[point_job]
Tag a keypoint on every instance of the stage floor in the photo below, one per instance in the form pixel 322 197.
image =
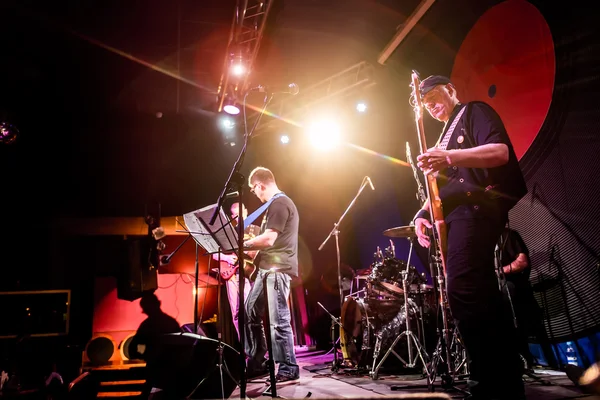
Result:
pixel 321 383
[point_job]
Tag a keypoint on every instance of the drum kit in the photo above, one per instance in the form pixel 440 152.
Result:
pixel 391 310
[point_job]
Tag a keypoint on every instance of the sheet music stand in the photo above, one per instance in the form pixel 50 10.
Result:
pixel 221 237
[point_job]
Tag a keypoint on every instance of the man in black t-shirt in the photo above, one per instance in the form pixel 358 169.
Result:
pixel 517 291
pixel 277 246
pixel 479 180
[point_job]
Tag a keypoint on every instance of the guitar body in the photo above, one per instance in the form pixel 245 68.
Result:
pixel 250 270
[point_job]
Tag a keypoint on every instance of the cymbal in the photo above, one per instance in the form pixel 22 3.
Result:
pixel 400 231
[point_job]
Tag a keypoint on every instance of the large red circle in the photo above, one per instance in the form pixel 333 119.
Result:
pixel 507 60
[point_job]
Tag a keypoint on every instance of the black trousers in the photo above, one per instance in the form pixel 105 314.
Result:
pixel 476 305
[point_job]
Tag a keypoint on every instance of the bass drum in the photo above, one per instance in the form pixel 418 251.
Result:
pixel 361 318
pixel 364 321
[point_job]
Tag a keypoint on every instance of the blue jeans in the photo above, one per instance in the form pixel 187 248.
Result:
pixel 282 335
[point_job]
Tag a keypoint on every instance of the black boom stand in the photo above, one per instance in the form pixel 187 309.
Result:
pixel 335 232
pixel 235 182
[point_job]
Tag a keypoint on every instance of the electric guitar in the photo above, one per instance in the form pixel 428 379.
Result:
pixel 250 270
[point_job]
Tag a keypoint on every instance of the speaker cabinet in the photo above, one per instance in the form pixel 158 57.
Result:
pixel 136 274
pixel 187 364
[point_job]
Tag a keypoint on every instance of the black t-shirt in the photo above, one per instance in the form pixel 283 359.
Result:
pixel 479 192
pixel 281 216
pixel 511 244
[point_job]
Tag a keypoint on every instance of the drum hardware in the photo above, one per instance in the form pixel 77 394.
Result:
pixel 355 294
pixel 449 350
pixel 386 272
pixel 411 339
pixel 334 321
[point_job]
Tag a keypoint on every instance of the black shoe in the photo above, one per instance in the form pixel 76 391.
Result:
pixel 280 378
pixel 256 370
pixel 252 373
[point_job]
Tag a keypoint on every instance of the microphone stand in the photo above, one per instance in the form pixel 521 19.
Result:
pixel 335 232
pixel 235 181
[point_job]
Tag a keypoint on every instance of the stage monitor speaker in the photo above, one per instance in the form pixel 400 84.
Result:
pixel 136 274
pixel 188 367
pixel 100 350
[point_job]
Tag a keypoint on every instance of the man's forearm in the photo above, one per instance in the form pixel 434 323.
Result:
pixel 260 242
pixel 485 156
pixel 518 265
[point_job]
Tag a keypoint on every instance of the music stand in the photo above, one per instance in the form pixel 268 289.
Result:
pixel 215 239
pixel 220 237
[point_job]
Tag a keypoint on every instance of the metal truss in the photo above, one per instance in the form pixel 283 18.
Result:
pixel 292 108
pixel 247 27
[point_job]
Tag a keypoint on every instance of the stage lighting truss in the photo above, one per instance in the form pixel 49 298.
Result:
pixel 247 27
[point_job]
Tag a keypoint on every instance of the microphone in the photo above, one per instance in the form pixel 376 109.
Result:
pixel 292 89
pixel 371 183
pixel 232 194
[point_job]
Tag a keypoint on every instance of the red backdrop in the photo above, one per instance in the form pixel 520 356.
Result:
pixel 507 60
pixel 175 291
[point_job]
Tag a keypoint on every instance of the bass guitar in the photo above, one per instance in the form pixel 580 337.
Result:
pixel 433 194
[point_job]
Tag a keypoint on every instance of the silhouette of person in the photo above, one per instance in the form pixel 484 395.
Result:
pixel 146 341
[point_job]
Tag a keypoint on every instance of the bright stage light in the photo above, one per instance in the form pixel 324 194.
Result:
pixel 227 123
pixel 238 69
pixel 361 107
pixel 324 135
pixel 285 139
pixel 231 109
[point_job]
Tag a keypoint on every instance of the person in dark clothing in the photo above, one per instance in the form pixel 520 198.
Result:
pixel 277 246
pixel 518 296
pixel 145 344
pixel 479 181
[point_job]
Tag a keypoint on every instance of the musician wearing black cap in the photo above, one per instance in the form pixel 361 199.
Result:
pixel 479 181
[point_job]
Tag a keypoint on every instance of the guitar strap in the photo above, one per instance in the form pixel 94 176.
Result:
pixel 252 217
pixel 443 142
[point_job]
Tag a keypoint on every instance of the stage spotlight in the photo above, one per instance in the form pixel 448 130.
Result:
pixel 361 107
pixel 227 123
pixel 230 107
pixel 324 134
pixel 285 139
pixel 238 69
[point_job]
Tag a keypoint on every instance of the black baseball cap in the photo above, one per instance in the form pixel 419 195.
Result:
pixel 432 81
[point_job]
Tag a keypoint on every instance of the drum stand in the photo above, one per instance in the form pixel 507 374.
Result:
pixel 411 340
pixel 447 342
pixel 335 365
pixel 449 349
